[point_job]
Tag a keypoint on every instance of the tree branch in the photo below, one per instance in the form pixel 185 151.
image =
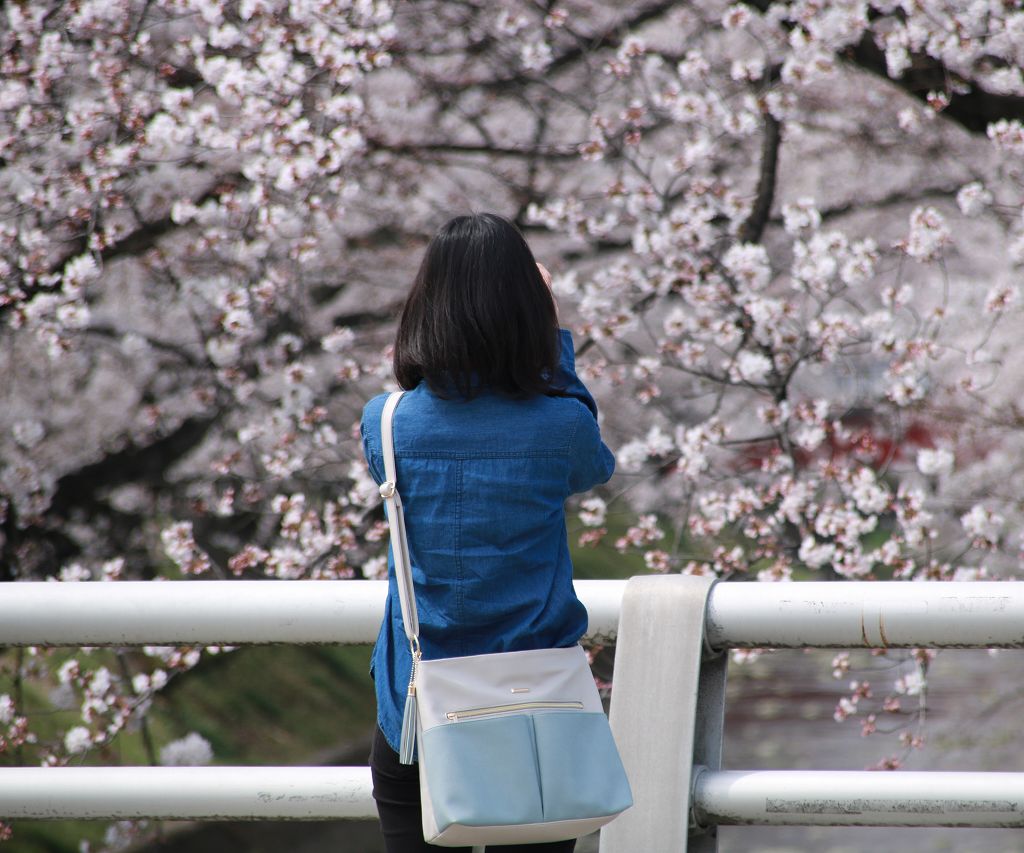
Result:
pixel 138 241
pixel 608 38
pixel 39 546
pixel 974 110
pixel 752 230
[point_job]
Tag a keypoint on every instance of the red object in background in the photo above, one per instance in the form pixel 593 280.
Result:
pixel 867 441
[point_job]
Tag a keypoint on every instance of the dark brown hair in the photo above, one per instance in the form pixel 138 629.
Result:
pixel 478 315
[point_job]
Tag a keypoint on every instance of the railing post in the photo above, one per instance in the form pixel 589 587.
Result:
pixel 707 739
pixel 654 709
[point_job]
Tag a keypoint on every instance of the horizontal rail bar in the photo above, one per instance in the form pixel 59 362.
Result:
pixel 843 614
pixel 852 614
pixel 194 793
pixel 858 798
pixel 728 797
pixel 132 613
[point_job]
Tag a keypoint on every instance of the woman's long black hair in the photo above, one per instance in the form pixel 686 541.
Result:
pixel 478 315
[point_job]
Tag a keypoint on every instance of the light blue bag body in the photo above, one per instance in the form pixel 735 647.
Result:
pixel 513 747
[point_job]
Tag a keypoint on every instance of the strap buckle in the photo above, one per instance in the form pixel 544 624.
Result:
pixel 387 489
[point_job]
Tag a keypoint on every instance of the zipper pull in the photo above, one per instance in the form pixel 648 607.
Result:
pixel 408 743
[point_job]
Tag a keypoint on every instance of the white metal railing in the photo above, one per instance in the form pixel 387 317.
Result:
pixel 858 798
pixel 982 614
pixel 191 793
pixel 792 615
pixel 132 613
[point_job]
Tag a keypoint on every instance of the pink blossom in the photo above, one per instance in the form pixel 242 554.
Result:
pixel 928 234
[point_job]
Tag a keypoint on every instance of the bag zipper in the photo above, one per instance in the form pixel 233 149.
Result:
pixel 469 713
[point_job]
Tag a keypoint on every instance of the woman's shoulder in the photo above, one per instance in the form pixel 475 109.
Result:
pixel 374 406
pixel 369 424
pixel 491 421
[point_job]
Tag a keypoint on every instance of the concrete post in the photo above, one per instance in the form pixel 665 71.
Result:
pixel 654 707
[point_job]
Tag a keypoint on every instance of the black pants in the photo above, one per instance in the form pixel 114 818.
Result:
pixel 396 788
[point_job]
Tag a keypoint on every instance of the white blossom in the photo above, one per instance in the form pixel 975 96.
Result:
pixel 74 572
pixel 565 284
pixel 181 547
pixel 933 463
pixel 68 671
pixel 78 272
pixel 1001 297
pixel 816 554
pixel 238 322
pixel 928 234
pixel 633 454
pixel 809 437
pixel 193 750
pixel 973 198
pixel 28 433
pixel 800 215
pixel 676 322
pixel 694 444
pixel 593 511
pixel 748 263
pixel 736 16
pixel 338 340
pixel 750 69
pixel 815 262
pixel 77 740
pixel 752 366
pixel 73 315
pixel 1007 134
pixel 376 568
pixel 1015 249
pixel 693 67
pixel 906 388
pixel 510 23
pixel 982 524
pixel 869 496
pixel 111 570
pixel 224 351
pixel 910 684
pixel 6 709
pixel 535 55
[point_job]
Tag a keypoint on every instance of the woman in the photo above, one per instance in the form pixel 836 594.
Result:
pixel 495 432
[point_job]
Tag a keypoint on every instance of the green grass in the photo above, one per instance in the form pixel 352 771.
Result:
pixel 257 705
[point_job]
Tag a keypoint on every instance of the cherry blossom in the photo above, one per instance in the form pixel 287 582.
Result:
pixel 935 462
pixel 191 750
pixel 792 278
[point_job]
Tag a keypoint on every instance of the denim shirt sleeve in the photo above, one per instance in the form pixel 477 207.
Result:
pixel 565 374
pixel 371 414
pixel 590 460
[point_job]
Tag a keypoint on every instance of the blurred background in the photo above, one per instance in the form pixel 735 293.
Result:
pixel 787 237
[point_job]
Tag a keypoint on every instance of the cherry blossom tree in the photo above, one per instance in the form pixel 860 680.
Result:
pixel 788 236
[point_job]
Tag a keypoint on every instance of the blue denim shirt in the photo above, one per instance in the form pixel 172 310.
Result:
pixel 483 485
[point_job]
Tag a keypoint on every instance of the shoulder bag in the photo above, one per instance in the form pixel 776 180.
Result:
pixel 513 747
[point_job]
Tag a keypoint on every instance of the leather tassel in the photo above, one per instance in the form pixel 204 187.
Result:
pixel 408 744
pixel 408 728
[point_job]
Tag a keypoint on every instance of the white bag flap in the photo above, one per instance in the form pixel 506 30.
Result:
pixel 453 685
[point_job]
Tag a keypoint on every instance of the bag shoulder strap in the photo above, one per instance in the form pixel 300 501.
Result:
pixel 396 522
